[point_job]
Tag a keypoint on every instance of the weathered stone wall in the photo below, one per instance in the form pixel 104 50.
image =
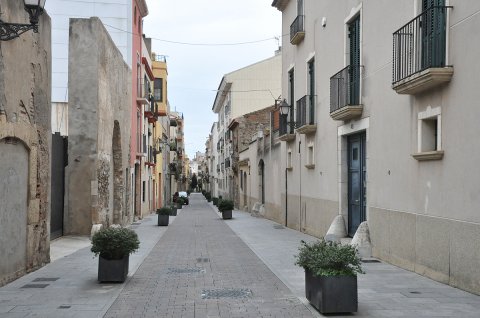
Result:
pixel 25 140
pixel 99 129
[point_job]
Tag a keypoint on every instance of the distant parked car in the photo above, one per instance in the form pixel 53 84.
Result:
pixel 182 194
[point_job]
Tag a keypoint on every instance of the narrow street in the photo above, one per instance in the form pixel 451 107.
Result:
pixel 203 266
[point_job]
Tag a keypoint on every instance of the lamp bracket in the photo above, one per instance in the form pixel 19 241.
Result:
pixel 9 31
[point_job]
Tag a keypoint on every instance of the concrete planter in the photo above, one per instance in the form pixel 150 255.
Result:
pixel 163 220
pixel 112 270
pixel 179 206
pixel 226 215
pixel 174 212
pixel 333 294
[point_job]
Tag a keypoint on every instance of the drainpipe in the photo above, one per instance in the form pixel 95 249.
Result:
pixel 286 196
pixel 300 185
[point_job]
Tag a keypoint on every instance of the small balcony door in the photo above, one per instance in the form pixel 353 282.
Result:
pixel 354 46
pixel 433 25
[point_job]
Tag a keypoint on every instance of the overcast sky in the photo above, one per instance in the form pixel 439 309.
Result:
pixel 194 72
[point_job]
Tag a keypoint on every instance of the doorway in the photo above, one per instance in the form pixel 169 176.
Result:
pixel 357 188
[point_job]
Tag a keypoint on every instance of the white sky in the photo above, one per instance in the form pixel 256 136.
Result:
pixel 194 72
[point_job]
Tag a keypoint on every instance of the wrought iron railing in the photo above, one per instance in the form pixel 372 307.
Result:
pixel 143 88
pixel 420 44
pixel 345 87
pixel 297 26
pixel 306 111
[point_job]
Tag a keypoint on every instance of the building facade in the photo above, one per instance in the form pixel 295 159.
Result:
pixel 386 144
pixel 242 91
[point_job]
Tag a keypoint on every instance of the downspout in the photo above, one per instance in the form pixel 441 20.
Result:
pixel 300 184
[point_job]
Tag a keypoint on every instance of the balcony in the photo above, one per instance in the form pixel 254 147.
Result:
pixel 345 93
pixel 419 53
pixel 151 112
pixel 306 115
pixel 143 92
pixel 285 131
pixel 297 30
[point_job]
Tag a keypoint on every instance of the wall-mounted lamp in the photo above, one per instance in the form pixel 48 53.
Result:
pixel 284 107
pixel 9 31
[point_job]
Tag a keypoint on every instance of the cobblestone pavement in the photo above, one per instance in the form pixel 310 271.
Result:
pixel 200 268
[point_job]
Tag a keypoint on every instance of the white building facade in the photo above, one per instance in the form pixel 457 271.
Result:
pixel 389 145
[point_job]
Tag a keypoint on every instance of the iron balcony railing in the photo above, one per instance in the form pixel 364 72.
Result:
pixel 143 89
pixel 297 26
pixel 345 87
pixel 306 111
pixel 420 44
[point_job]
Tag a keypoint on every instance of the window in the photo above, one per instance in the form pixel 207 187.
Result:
pixel 158 89
pixel 310 116
pixel 289 159
pixel 310 155
pixel 143 191
pixel 291 95
pixel 429 135
pixel 135 16
pixel 354 54
pixel 299 7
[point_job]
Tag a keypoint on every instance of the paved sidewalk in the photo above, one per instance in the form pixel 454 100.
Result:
pixel 200 268
pixel 384 291
pixel 68 286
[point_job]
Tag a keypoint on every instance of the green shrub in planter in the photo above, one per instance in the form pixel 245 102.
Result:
pixel 330 275
pixel 225 205
pixel 208 196
pixel 173 210
pixel 164 211
pixel 215 201
pixel 114 245
pixel 180 202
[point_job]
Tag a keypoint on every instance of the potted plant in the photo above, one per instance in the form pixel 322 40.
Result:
pixel 114 245
pixel 163 216
pixel 215 201
pixel 330 275
pixel 180 202
pixel 208 196
pixel 173 210
pixel 226 207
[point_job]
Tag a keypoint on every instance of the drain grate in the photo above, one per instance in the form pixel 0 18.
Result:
pixel 46 279
pixel 34 286
pixel 203 260
pixel 64 307
pixel 136 223
pixel 226 293
pixel 278 227
pixel 370 261
pixel 415 292
pixel 191 270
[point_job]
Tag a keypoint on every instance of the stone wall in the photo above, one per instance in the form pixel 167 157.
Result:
pixel 25 141
pixel 99 129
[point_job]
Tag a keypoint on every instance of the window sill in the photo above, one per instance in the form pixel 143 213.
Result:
pixel 310 166
pixel 428 155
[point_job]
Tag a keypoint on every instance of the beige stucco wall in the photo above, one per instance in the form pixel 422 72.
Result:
pixel 423 216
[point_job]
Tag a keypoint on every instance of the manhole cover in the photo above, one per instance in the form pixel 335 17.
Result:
pixel 278 227
pixel 186 270
pixel 370 261
pixel 226 293
pixel 45 279
pixel 203 260
pixel 35 286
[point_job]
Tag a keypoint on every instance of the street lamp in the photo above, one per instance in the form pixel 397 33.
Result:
pixel 9 31
pixel 284 107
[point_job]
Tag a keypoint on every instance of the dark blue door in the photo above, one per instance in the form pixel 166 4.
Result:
pixel 356 182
